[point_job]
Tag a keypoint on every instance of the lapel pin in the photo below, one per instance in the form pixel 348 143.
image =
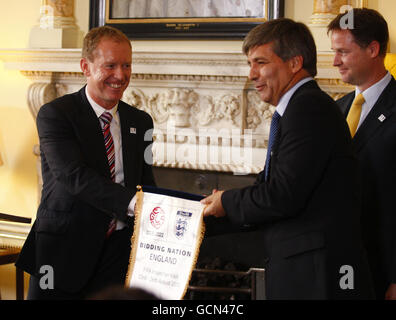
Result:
pixel 381 118
pixel 132 130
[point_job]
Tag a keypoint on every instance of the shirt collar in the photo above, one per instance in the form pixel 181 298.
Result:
pixel 99 110
pixel 371 94
pixel 284 101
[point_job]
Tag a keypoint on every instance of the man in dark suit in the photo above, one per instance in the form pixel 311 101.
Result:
pixel 301 200
pixel 359 56
pixel 93 154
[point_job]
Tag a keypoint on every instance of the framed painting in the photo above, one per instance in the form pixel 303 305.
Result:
pixel 184 19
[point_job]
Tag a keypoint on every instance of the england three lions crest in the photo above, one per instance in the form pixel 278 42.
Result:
pixel 181 225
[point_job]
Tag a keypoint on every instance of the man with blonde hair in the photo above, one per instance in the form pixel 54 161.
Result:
pixel 92 154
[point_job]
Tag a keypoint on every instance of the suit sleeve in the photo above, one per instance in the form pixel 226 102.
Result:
pixel 63 160
pixel 345 102
pixel 308 135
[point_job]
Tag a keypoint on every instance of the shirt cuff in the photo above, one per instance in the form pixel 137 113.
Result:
pixel 131 207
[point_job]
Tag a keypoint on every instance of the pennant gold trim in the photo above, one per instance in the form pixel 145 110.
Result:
pixel 135 238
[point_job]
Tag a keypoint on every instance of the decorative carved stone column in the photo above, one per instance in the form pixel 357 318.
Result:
pixel 38 94
pixel 325 10
pixel 57 28
pixel 57 14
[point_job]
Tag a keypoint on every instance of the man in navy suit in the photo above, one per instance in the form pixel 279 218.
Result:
pixel 359 56
pixel 309 222
pixel 93 157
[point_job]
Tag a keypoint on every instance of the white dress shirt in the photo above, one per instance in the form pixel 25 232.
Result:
pixel 115 129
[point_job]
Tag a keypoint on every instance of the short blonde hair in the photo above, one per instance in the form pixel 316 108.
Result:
pixel 95 35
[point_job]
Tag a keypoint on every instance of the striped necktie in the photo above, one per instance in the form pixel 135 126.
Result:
pixel 353 117
pixel 272 137
pixel 106 118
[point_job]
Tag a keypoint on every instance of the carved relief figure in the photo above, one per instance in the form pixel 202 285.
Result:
pixel 229 107
pixel 179 103
pixel 329 6
pixel 204 111
pixel 258 112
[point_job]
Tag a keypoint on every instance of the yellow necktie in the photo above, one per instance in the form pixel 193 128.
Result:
pixel 354 113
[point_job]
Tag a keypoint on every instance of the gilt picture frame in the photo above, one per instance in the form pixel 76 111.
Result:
pixel 184 19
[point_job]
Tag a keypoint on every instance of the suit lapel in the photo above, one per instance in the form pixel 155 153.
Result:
pixel 92 136
pixel 378 116
pixel 310 85
pixel 130 144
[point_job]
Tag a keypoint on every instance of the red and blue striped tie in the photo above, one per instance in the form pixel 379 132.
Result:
pixel 106 118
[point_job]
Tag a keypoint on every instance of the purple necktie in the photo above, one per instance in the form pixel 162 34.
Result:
pixel 106 118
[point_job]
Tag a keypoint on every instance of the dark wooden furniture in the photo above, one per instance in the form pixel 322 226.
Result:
pixel 10 255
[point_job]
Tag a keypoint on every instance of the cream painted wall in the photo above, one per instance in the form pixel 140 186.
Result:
pixel 18 191
pixel 17 130
pixel 388 10
pixel 18 135
pixel 18 180
pixel 301 10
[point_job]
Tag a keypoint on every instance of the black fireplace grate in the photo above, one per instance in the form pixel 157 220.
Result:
pixel 218 281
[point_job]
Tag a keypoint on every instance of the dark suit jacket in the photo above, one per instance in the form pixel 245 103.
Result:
pixel 78 197
pixel 308 216
pixel 375 146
